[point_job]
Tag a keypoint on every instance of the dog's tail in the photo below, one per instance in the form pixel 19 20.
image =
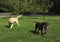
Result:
pixel 19 16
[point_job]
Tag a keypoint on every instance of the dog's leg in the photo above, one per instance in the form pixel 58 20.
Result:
pixel 38 30
pixel 35 28
pixel 41 32
pixel 11 26
pixel 17 23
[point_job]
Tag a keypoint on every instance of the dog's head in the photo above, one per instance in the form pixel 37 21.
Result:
pixel 46 23
pixel 46 26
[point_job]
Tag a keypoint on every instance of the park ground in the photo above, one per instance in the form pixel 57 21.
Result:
pixel 24 32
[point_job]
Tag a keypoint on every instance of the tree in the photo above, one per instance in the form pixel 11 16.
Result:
pixel 21 6
pixel 56 7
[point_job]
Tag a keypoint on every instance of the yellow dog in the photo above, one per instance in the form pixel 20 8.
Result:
pixel 13 20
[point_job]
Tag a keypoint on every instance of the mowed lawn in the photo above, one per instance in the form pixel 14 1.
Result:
pixel 25 33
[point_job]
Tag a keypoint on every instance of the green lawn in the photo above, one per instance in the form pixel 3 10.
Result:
pixel 24 32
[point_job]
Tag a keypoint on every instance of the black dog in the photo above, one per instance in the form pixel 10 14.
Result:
pixel 41 26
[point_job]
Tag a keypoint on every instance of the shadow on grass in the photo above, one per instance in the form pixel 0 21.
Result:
pixel 7 26
pixel 32 31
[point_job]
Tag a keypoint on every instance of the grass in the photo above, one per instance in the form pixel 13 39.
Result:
pixel 24 34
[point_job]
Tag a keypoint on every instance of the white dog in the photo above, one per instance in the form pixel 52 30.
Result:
pixel 13 20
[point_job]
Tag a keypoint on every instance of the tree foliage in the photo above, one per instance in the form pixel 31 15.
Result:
pixel 18 6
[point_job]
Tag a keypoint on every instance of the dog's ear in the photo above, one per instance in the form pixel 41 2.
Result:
pixel 47 23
